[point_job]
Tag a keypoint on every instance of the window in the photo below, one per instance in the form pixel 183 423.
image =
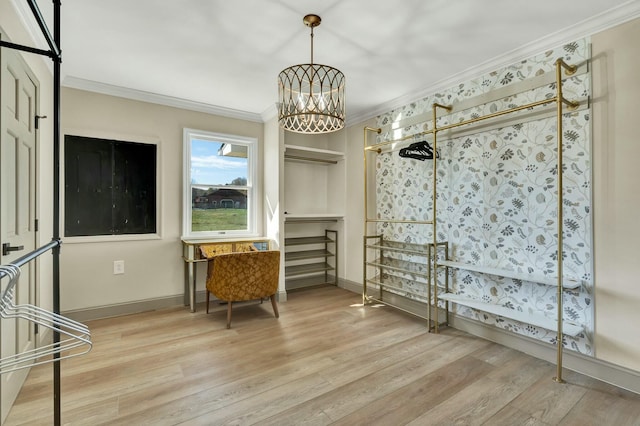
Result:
pixel 219 179
pixel 109 187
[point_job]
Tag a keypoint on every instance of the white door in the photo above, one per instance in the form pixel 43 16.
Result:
pixel 18 101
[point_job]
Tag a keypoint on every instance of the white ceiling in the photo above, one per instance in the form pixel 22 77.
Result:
pixel 228 53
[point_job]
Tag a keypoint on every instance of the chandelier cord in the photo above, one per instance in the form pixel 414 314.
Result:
pixel 311 45
pixel 312 71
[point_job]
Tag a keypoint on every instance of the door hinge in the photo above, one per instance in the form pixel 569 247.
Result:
pixel 35 225
pixel 36 329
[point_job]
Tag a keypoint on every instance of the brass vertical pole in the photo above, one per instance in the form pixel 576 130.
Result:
pixel 560 339
pixel 429 275
pixel 366 215
pixel 434 223
pixel 560 64
pixel 435 214
pixel 364 234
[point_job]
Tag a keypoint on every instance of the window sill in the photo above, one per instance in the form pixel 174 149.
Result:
pixel 111 238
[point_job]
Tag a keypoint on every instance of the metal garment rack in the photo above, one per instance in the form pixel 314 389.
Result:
pixel 77 335
pixel 560 101
pixel 54 53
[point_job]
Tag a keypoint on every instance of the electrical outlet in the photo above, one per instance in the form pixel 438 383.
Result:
pixel 118 267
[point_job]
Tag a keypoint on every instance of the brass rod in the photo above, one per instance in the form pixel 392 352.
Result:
pixel 570 69
pixel 497 114
pixel 429 275
pixel 366 215
pixel 364 245
pixel 380 270
pixel 378 150
pixel 446 282
pixel 469 121
pixel 436 129
pixel 435 219
pixel 364 271
pixel 570 104
pixel 559 103
pixel 385 143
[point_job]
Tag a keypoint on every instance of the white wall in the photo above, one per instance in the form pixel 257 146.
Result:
pixel 354 195
pixel 153 268
pixel 273 166
pixel 616 150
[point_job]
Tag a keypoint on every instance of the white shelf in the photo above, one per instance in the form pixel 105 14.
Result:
pixel 540 279
pixel 303 153
pixel 527 318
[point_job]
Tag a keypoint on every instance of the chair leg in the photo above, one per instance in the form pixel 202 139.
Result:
pixel 275 305
pixel 207 301
pixel 229 314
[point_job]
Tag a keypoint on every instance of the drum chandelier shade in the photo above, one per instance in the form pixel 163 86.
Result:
pixel 311 96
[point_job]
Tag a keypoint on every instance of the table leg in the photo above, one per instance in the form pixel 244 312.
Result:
pixel 190 285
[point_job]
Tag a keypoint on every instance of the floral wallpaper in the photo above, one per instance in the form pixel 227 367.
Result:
pixel 497 198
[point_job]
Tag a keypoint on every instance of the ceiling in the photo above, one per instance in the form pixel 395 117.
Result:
pixel 227 54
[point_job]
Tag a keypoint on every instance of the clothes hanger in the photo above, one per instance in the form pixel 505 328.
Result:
pixel 77 334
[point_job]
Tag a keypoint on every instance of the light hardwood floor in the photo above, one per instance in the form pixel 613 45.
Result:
pixel 326 360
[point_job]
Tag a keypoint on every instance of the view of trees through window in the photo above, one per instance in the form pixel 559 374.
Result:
pixel 219 186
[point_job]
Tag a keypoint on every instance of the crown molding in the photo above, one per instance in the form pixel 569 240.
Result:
pixel 269 113
pixel 154 98
pixel 608 19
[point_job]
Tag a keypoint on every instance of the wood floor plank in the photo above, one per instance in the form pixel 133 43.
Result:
pixel 365 386
pixel 510 416
pixel 326 360
pixel 599 408
pixel 549 401
pixel 409 402
pixel 483 398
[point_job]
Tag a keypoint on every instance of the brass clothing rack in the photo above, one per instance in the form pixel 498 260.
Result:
pixel 433 265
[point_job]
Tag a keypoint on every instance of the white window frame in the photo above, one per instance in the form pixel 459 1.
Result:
pixel 252 189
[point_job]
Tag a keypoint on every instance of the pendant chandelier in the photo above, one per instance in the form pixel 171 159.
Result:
pixel 311 96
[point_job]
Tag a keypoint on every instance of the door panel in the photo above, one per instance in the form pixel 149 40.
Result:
pixel 18 104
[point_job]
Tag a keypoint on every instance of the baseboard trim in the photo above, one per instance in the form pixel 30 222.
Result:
pixel 616 375
pixel 108 311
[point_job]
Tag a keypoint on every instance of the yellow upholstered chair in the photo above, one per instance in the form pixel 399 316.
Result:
pixel 235 277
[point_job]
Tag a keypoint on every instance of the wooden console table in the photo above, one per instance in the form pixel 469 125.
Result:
pixel 191 256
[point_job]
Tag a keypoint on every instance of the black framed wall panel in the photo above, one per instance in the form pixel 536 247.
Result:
pixel 110 187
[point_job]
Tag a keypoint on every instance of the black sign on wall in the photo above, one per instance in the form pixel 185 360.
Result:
pixel 110 187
